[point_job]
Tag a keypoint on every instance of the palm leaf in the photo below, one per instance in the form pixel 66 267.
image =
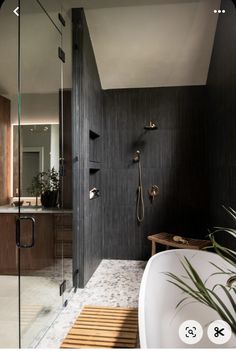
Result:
pixel 230 211
pixel 198 289
pixel 229 297
pixel 228 230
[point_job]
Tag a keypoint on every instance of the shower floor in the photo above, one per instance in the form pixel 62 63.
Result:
pixel 40 305
pixel 115 283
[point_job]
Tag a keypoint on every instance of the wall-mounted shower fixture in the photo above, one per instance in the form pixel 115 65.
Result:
pixel 136 157
pixel 93 193
pixel 140 201
pixel 151 126
pixel 153 192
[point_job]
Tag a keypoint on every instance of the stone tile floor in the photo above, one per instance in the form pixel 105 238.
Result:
pixel 114 283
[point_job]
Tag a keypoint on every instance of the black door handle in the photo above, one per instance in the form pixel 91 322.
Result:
pixel 18 233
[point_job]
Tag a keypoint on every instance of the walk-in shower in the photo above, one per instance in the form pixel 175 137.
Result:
pixel 137 159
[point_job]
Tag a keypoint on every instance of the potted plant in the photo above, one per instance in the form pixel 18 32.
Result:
pixel 35 188
pixel 46 185
pixel 195 288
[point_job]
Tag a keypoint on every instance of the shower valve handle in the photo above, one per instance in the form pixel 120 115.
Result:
pixel 153 192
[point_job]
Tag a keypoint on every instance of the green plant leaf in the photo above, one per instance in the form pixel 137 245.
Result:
pixel 198 290
pixel 225 313
pixel 233 303
pixel 228 230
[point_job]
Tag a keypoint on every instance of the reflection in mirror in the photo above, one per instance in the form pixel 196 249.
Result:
pixel 40 153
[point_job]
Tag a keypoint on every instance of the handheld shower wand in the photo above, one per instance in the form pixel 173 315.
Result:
pixel 140 201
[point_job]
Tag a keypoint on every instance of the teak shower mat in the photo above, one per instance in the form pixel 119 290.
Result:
pixel 103 327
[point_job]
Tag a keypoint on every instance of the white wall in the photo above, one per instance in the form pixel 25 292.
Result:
pixel 36 109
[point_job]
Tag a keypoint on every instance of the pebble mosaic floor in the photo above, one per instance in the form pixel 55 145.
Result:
pixel 115 283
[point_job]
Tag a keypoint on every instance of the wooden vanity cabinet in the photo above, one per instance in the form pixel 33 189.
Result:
pixel 8 251
pixel 63 235
pixel 53 232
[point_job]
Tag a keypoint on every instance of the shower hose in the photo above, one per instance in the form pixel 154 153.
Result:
pixel 140 201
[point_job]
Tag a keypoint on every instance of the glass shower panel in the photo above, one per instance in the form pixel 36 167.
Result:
pixel 66 154
pixel 9 316
pixel 41 261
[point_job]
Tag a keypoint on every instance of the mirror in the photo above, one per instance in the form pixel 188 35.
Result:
pixel 40 153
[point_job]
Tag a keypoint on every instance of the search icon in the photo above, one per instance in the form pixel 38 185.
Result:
pixel 190 332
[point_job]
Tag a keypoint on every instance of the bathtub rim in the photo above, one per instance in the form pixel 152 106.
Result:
pixel 142 291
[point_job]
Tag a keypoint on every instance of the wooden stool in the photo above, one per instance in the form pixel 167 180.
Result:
pixel 167 240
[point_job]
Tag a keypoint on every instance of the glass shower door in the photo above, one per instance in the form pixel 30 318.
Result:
pixel 9 308
pixel 37 131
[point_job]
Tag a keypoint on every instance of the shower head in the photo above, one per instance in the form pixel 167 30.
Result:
pixel 151 126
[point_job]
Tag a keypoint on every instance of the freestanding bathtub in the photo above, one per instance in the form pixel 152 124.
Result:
pixel 159 320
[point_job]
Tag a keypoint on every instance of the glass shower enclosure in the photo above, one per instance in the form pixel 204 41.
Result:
pixel 34 267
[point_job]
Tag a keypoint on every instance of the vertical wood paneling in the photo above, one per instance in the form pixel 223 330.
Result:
pixel 222 120
pixel 190 157
pixel 87 115
pixel 173 157
pixel 4 151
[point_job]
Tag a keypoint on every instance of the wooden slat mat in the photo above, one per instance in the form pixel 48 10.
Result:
pixel 103 327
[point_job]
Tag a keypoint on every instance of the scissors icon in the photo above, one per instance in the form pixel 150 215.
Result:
pixel 218 332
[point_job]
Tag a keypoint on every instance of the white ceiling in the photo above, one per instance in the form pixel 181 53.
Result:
pixel 40 66
pixel 137 43
pixel 164 44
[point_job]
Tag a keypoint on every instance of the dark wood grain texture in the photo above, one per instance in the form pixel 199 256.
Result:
pixel 8 250
pixel 36 258
pixel 172 157
pixel 191 157
pixel 87 115
pixel 4 151
pixel 221 119
pixel 53 238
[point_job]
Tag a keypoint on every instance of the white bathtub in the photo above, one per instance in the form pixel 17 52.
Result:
pixel 158 321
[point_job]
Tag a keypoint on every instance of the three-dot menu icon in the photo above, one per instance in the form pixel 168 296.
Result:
pixel 219 11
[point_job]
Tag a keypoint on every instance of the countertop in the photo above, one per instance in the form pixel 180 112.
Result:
pixel 32 209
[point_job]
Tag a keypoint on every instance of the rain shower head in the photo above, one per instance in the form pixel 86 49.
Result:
pixel 151 126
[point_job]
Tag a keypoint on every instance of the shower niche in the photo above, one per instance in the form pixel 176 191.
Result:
pixel 94 164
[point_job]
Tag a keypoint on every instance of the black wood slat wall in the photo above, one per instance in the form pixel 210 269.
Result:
pixel 221 119
pixel 87 115
pixel 191 157
pixel 173 157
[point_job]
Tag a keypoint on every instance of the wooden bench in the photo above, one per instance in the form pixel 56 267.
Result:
pixel 167 240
